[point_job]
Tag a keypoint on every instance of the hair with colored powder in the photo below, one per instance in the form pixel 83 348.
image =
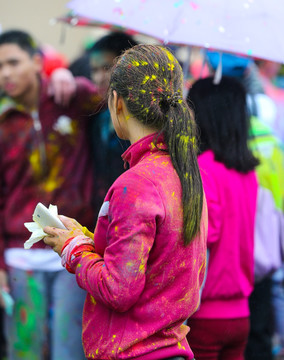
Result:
pixel 150 80
pixel 22 39
pixel 222 117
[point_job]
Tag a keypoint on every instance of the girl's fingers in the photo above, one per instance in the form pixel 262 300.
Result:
pixel 51 230
pixel 50 241
pixel 68 222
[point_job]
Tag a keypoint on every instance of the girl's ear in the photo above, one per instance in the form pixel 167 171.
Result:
pixel 117 102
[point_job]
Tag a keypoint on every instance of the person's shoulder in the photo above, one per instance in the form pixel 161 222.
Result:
pixel 6 106
pixel 206 158
pixel 211 168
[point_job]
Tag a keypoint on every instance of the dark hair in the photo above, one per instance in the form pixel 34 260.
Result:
pixel 150 80
pixel 222 117
pixel 115 42
pixel 20 38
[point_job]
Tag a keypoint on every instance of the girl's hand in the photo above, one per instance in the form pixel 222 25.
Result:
pixel 57 237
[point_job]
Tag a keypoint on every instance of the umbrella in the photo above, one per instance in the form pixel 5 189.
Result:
pixel 73 19
pixel 249 27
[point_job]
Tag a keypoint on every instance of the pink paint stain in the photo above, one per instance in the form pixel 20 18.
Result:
pixel 118 11
pixel 194 5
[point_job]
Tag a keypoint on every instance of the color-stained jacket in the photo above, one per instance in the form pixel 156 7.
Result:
pixel 231 199
pixel 142 282
pixel 44 157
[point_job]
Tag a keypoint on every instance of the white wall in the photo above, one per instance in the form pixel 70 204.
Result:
pixel 34 17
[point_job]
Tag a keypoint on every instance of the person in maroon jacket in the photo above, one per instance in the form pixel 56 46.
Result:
pixel 44 156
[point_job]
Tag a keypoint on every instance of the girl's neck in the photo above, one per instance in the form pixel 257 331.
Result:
pixel 137 130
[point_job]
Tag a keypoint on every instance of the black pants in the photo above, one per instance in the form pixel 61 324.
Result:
pixel 259 345
pixel 3 352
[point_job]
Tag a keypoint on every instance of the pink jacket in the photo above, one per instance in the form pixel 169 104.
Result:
pixel 231 198
pixel 142 282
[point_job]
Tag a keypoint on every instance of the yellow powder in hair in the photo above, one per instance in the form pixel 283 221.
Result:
pixel 184 139
pixel 146 78
pixel 170 55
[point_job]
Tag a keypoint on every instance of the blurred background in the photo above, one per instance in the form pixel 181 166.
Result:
pixel 37 18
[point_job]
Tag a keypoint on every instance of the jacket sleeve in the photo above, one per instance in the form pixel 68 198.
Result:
pixel 2 207
pixel 118 278
pixel 213 204
pixel 87 97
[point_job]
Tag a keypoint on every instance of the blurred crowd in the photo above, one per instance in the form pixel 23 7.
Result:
pixel 58 146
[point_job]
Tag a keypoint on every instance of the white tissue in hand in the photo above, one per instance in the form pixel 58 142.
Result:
pixel 36 230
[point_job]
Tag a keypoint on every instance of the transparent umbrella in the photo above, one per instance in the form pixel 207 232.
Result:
pixel 249 27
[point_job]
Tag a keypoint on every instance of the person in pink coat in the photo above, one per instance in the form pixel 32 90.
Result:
pixel 219 329
pixel 144 266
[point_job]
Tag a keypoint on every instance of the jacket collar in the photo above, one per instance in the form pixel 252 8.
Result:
pixel 7 104
pixel 149 144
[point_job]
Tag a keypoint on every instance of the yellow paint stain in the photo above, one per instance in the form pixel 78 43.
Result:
pixel 171 66
pixel 141 267
pixel 115 228
pixel 135 63
pixel 35 162
pixel 201 267
pixel 143 63
pixel 93 300
pixel 173 194
pixel 156 65
pixel 153 77
pixel 143 92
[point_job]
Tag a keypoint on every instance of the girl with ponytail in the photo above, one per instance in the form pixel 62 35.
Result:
pixel 145 264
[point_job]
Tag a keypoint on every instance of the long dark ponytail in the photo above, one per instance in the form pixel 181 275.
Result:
pixel 150 80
